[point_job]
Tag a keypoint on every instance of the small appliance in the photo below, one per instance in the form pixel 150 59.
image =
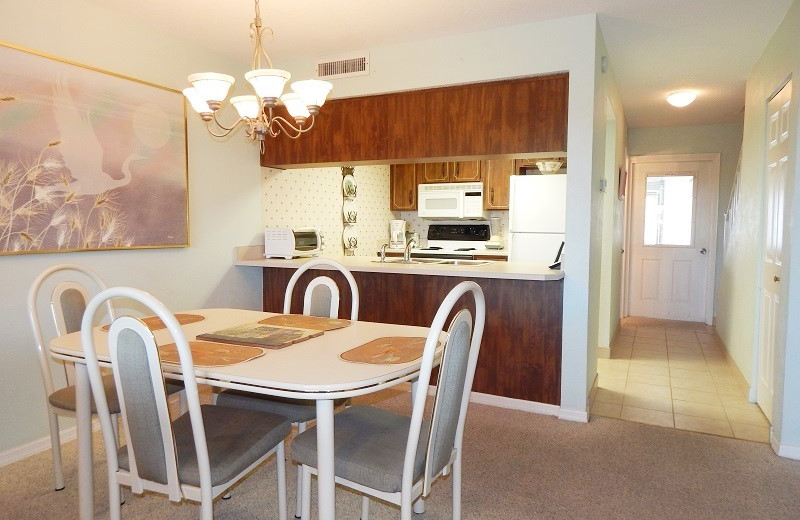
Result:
pixel 537 217
pixel 455 200
pixel 397 233
pixel 287 243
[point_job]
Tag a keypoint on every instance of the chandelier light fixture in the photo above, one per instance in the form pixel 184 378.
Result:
pixel 209 90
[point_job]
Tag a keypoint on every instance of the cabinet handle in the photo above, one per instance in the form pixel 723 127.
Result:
pixel 410 196
pixel 491 196
pixel 458 170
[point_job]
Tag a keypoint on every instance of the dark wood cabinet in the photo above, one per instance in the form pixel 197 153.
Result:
pixel 465 171
pixel 403 180
pixel 496 180
pixel 435 172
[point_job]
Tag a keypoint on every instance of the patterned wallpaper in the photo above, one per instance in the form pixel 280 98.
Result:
pixel 312 197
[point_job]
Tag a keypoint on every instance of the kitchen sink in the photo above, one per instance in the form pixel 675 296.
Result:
pixel 464 262
pixel 412 261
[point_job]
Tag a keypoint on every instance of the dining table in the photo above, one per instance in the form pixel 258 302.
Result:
pixel 312 369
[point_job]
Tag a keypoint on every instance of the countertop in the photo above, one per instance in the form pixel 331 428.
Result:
pixel 499 253
pixel 253 256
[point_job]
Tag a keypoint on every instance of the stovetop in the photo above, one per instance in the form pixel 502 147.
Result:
pixel 457 238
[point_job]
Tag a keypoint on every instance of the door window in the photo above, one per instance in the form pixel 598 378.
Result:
pixel 669 210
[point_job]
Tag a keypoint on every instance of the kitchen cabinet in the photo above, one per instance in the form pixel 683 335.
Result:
pixel 403 180
pixel 496 180
pixel 435 172
pixel 459 171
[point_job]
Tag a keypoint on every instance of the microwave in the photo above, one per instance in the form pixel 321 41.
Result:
pixel 287 243
pixel 451 200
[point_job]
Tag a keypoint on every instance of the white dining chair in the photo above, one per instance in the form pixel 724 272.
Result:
pixel 196 457
pixel 394 457
pixel 321 298
pixel 67 302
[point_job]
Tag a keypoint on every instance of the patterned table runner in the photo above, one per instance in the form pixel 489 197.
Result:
pixel 306 322
pixel 210 354
pixel 258 335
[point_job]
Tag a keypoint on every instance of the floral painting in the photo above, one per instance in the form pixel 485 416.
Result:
pixel 89 160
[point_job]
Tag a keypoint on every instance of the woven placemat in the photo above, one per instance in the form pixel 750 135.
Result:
pixel 306 322
pixel 258 335
pixel 155 323
pixel 386 351
pixel 211 354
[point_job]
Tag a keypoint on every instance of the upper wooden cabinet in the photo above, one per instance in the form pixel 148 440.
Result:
pixel 497 181
pixel 466 171
pixel 403 180
pixel 460 171
pixel 435 172
pixel 517 116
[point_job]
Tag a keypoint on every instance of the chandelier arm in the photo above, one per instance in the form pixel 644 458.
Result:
pixel 225 133
pixel 228 128
pixel 282 124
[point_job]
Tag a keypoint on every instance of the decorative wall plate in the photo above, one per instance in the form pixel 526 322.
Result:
pixel 350 237
pixel 350 211
pixel 349 186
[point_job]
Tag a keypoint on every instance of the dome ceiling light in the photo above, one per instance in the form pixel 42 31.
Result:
pixel 681 98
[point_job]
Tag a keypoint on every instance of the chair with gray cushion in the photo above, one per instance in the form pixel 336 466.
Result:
pixel 394 457
pixel 321 298
pixel 199 455
pixel 67 301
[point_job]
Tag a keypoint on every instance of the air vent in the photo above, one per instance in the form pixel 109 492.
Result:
pixel 343 66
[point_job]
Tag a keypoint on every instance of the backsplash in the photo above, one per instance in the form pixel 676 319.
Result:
pixel 312 197
pixel 414 223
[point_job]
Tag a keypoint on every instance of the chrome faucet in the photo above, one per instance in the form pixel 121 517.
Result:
pixel 383 252
pixel 407 252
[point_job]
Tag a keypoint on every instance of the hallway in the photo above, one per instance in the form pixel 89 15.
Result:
pixel 675 374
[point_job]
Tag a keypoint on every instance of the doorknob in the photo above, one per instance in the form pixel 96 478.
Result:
pixel 703 251
pixel 776 278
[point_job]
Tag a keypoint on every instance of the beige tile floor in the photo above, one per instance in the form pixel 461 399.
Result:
pixel 675 374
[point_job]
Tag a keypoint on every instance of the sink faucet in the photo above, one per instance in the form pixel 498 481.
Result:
pixel 383 252
pixel 407 252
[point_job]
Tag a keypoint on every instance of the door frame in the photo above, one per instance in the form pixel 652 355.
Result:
pixel 713 160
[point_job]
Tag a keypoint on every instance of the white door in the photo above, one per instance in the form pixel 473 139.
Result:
pixel 673 237
pixel 772 260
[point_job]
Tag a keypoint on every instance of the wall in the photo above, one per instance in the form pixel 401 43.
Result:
pixel 223 189
pixel 312 197
pixel 723 139
pixel 738 308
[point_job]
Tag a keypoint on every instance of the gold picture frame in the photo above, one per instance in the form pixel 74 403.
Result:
pixel 90 160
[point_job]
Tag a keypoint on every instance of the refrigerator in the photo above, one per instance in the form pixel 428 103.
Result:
pixel 537 215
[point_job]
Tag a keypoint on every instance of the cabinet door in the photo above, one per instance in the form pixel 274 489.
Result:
pixel 465 171
pixel 403 187
pixel 436 172
pixel 496 177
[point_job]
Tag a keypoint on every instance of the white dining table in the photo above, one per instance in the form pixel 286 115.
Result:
pixel 311 369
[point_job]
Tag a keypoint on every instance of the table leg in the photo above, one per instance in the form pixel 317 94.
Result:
pixel 83 416
pixel 325 471
pixel 419 505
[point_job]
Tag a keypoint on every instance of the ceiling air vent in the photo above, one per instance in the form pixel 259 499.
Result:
pixel 343 66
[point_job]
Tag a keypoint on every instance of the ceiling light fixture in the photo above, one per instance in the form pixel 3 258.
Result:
pixel 209 90
pixel 681 98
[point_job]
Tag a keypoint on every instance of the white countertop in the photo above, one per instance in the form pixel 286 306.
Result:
pixel 253 256
pixel 499 253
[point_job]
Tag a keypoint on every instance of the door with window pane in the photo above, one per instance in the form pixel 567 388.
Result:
pixel 670 241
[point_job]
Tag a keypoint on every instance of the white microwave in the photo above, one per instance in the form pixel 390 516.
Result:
pixel 287 243
pixel 451 200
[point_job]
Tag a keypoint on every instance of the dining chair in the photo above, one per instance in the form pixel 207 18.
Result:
pixel 321 298
pixel 394 457
pixel 67 302
pixel 196 457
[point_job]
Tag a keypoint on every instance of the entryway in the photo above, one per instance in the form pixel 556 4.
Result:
pixel 675 374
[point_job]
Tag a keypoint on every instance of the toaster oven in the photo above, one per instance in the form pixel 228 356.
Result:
pixel 287 243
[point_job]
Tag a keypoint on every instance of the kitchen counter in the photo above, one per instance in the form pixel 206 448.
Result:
pixel 252 256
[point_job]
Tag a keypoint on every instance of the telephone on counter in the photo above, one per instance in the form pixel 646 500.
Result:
pixel 557 263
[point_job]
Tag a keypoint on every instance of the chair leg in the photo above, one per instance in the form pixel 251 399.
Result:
pixel 298 506
pixel 457 488
pixel 114 499
pixel 280 459
pixel 419 506
pixel 55 445
pixel 306 490
pixel 364 507
pixel 405 506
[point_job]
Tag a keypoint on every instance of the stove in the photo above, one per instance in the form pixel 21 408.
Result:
pixel 459 241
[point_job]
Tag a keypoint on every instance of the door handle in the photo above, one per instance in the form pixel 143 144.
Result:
pixel 776 278
pixel 703 251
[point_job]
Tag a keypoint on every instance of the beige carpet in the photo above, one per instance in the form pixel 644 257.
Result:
pixel 516 465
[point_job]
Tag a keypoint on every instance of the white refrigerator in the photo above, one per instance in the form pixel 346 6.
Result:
pixel 537 215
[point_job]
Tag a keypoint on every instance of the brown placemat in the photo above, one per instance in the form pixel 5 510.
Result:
pixel 155 323
pixel 258 335
pixel 306 322
pixel 211 354
pixel 386 351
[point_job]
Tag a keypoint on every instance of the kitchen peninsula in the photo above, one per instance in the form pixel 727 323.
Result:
pixel 521 353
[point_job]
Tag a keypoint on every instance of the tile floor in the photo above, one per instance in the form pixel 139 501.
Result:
pixel 675 374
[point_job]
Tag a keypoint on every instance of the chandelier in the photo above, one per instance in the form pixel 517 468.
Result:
pixel 209 90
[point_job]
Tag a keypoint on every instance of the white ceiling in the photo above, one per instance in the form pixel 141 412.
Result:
pixel 655 46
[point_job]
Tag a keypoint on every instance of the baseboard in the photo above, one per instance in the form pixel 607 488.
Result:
pixel 751 390
pixel 604 352
pixel 573 415
pixel 515 404
pixel 787 451
pixel 39 445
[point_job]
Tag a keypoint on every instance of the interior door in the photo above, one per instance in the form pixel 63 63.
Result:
pixel 673 234
pixel 772 260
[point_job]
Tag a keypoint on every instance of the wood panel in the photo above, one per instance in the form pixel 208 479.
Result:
pixel 466 171
pixel 497 183
pixel 403 180
pixel 517 116
pixel 435 172
pixel 521 349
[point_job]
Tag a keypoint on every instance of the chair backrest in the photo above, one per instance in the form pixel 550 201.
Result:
pixel 456 372
pixel 67 302
pixel 142 395
pixel 321 297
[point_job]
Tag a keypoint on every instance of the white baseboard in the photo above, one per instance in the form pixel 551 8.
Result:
pixel 788 451
pixel 514 404
pixel 39 445
pixel 604 352
pixel 573 415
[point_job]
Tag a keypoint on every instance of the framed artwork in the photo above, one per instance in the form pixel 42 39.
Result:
pixel 623 179
pixel 89 160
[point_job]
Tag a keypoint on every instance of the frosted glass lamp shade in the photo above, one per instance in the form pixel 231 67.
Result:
pixel 211 86
pixel 312 91
pixel 198 104
pixel 247 106
pixel 268 83
pixel 295 105
pixel 681 98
